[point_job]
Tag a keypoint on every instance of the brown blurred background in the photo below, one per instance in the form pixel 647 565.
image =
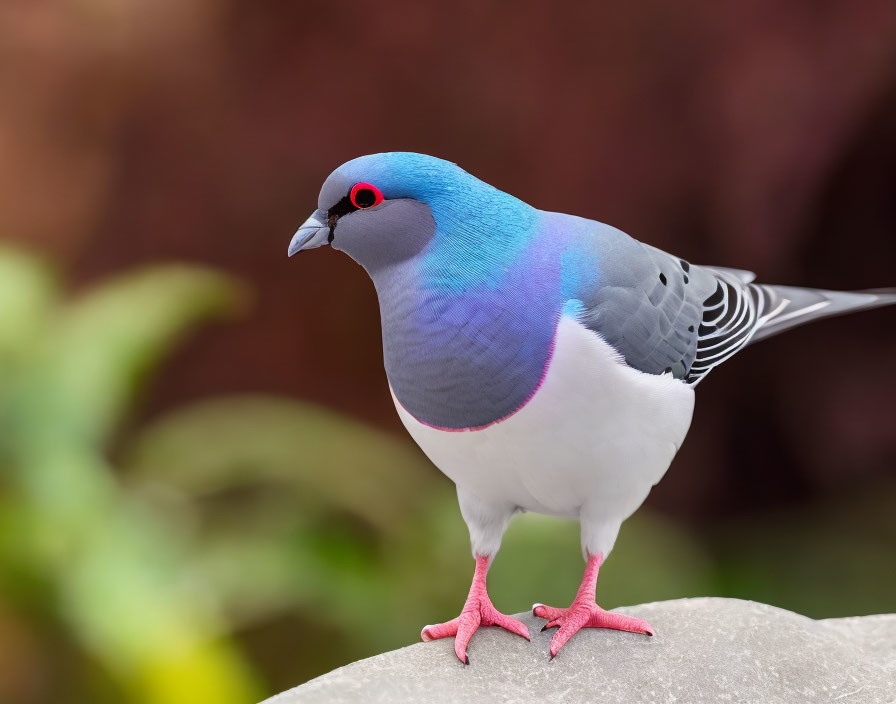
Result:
pixel 757 135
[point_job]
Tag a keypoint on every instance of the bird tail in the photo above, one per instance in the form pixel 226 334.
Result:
pixel 802 305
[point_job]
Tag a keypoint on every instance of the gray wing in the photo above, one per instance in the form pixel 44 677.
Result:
pixel 665 315
pixel 742 274
pixel 731 316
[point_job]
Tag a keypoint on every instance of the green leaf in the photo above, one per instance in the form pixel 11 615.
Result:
pixel 322 460
pixel 106 341
pixel 27 292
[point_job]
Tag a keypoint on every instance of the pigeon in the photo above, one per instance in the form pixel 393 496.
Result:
pixel 544 362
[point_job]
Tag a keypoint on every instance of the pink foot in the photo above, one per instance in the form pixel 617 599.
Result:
pixel 585 613
pixel 478 611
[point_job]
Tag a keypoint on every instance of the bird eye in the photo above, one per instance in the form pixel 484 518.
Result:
pixel 365 195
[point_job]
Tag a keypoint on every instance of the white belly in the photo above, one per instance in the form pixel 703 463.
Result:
pixel 594 438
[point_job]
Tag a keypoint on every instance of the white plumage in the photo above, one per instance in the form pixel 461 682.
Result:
pixel 590 443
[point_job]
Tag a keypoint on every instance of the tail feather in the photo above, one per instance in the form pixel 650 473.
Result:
pixel 804 305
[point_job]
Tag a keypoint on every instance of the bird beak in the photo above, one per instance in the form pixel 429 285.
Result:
pixel 314 232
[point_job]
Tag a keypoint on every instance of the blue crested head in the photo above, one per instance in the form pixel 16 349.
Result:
pixel 470 281
pixel 396 206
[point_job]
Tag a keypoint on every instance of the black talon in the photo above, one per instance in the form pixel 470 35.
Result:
pixel 544 628
pixel 467 660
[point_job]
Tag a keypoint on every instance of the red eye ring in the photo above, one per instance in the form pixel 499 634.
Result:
pixel 365 195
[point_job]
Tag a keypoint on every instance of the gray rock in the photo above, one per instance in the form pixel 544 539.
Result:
pixel 704 650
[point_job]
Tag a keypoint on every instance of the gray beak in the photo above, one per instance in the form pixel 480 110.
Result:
pixel 314 232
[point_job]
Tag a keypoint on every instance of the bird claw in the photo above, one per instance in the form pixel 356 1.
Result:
pixel 549 612
pixel 553 623
pixel 585 615
pixel 478 611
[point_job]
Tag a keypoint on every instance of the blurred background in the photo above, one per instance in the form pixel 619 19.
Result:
pixel 205 492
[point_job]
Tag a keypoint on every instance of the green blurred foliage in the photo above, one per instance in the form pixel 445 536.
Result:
pixel 76 546
pixel 244 544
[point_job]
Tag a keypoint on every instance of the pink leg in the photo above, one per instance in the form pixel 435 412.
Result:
pixel 477 611
pixel 585 613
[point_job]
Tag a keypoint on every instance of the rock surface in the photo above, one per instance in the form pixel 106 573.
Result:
pixel 712 650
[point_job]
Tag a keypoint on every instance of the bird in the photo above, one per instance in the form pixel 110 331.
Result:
pixel 544 362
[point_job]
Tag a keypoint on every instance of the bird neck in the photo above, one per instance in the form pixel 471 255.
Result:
pixel 465 356
pixel 479 232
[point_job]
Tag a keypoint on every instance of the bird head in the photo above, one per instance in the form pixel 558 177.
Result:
pixel 386 208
